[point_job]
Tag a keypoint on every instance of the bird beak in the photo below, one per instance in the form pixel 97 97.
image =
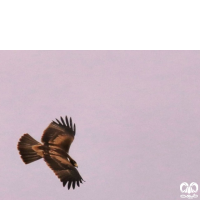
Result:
pixel 76 165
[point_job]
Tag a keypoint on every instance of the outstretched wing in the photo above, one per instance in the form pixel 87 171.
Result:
pixel 64 170
pixel 60 133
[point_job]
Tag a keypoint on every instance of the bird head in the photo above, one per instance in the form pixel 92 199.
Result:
pixel 73 162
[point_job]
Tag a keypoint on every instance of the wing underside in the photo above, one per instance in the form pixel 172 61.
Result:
pixel 60 133
pixel 65 171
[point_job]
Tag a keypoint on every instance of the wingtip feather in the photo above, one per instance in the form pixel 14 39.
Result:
pixel 73 185
pixel 71 123
pixel 66 119
pixel 74 128
pixel 62 121
pixel 69 185
pixel 58 122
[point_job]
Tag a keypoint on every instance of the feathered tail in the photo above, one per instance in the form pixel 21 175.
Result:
pixel 24 146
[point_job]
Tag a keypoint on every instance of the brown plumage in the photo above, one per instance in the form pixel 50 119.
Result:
pixel 56 139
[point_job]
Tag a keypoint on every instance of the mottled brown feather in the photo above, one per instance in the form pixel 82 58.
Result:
pixel 25 144
pixel 59 134
pixel 65 171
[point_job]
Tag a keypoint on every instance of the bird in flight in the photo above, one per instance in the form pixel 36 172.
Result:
pixel 56 139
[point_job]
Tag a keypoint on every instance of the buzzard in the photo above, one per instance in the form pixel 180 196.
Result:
pixel 56 139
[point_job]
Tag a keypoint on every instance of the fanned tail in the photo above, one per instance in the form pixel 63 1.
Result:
pixel 24 146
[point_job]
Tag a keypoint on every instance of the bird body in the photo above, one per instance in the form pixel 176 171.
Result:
pixel 54 149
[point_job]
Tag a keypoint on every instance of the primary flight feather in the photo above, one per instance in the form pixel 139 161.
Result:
pixel 56 139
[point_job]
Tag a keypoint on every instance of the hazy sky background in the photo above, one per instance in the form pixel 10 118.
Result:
pixel 137 115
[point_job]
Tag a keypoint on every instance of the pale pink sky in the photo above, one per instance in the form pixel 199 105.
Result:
pixel 137 115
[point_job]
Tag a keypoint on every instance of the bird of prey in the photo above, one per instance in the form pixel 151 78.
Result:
pixel 56 139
